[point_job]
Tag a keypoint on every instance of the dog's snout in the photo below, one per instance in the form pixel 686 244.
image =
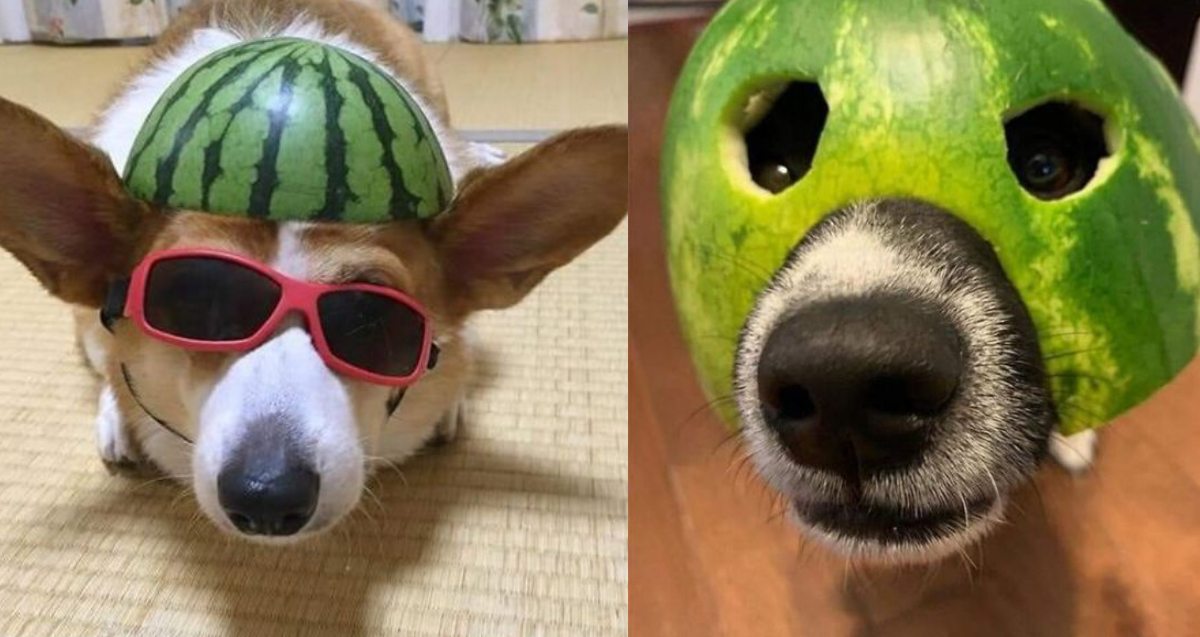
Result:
pixel 853 386
pixel 268 492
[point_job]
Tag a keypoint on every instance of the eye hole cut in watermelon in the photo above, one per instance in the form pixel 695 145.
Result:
pixel 1054 149
pixel 1042 124
pixel 783 130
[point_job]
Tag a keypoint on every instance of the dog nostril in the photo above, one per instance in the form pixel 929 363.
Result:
pixel 268 499
pixel 243 523
pixel 793 402
pixel 291 523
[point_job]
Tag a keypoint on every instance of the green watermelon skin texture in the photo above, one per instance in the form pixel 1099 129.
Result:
pixel 918 92
pixel 290 129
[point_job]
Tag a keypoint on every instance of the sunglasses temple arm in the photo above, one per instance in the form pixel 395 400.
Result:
pixel 434 352
pixel 114 303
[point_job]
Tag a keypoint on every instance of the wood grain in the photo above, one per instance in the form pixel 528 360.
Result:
pixel 1116 552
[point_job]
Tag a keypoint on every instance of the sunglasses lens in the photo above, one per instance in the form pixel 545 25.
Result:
pixel 208 299
pixel 372 332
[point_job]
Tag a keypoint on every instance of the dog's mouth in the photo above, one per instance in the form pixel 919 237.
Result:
pixel 892 526
pixel 891 382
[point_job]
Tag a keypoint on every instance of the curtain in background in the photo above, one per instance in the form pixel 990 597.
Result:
pixel 439 20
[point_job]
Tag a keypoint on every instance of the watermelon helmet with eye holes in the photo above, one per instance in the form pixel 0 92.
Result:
pixel 913 99
pixel 290 129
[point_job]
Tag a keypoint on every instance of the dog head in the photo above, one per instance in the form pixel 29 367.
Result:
pixel 940 231
pixel 275 422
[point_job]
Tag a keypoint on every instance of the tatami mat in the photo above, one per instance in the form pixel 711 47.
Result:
pixel 517 529
pixel 490 86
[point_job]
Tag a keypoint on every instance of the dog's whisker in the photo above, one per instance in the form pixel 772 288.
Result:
pixel 846 570
pixel 968 566
pixel 992 479
pixel 1093 418
pixel 737 464
pixel 764 491
pixel 760 274
pixel 718 337
pixel 180 497
pixel 374 498
pixel 781 504
pixel 1080 375
pixel 374 525
pixel 196 516
pixel 165 478
pixel 1041 502
pixel 735 436
pixel 377 530
pixel 1056 334
pixel 931 571
pixel 389 464
pixel 707 408
pixel 366 512
pixel 746 471
pixel 1077 352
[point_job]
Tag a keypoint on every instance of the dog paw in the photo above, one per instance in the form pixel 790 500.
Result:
pixel 112 435
pixel 1075 453
pixel 486 154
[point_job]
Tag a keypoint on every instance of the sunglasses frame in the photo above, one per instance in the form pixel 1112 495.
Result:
pixel 295 296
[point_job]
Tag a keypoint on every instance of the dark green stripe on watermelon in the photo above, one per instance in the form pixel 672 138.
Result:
pixel 290 129
pixel 268 179
pixel 337 190
pixel 173 94
pixel 401 199
pixel 212 151
pixel 168 178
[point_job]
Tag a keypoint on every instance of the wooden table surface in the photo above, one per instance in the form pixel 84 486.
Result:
pixel 1116 552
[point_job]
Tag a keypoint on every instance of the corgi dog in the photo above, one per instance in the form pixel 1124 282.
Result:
pixel 277 435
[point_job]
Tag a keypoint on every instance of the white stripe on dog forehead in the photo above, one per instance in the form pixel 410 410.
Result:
pixel 290 255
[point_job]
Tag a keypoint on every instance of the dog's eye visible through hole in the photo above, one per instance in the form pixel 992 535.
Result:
pixel 1054 149
pixel 786 126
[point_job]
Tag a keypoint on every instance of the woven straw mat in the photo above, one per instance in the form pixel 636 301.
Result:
pixel 518 528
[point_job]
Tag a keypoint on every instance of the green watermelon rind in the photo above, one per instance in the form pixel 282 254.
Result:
pixel 1111 275
pixel 348 143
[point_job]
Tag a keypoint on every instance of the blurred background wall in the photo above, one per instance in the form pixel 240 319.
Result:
pixel 440 20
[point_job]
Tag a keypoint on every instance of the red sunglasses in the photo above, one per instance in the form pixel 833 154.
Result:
pixel 214 301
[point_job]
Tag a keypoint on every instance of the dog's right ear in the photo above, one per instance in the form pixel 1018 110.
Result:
pixel 64 211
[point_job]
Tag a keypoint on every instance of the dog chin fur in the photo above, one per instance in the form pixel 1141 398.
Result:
pixel 904 553
pixel 997 435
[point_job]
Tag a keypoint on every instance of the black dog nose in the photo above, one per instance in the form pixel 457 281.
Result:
pixel 853 386
pixel 269 494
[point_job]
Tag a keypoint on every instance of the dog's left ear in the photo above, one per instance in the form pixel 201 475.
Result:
pixel 514 224
pixel 64 211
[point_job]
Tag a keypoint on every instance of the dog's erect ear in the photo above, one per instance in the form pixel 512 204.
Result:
pixel 515 223
pixel 64 212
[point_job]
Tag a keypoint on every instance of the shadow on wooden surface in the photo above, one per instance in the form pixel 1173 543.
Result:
pixel 1116 552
